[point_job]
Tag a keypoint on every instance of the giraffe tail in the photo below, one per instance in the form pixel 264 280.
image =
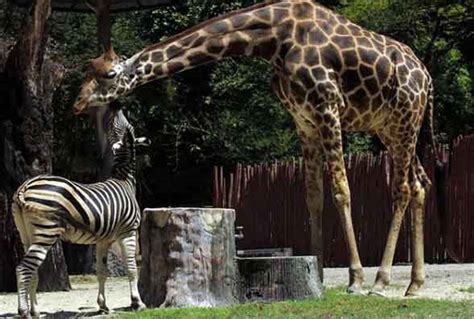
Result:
pixel 427 140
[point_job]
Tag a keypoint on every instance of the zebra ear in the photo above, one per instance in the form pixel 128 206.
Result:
pixel 142 141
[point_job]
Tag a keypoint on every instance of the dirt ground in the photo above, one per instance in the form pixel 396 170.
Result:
pixel 442 282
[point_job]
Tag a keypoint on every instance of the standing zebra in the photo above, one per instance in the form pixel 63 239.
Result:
pixel 49 208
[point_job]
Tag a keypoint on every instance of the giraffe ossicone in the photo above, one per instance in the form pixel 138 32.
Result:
pixel 332 76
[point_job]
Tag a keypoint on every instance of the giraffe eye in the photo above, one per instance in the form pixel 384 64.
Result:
pixel 110 74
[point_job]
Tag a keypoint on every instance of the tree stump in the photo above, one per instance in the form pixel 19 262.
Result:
pixel 266 279
pixel 188 257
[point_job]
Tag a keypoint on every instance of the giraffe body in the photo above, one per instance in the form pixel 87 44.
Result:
pixel 332 76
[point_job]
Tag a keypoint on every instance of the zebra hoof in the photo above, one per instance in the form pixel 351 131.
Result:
pixel 25 314
pixel 138 306
pixel 104 310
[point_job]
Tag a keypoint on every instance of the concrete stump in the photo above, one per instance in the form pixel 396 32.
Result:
pixel 267 279
pixel 188 257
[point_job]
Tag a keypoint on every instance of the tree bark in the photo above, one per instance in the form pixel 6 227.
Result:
pixel 188 257
pixel 26 140
pixel 265 279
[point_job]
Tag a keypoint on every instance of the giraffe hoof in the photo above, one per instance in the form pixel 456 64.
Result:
pixel 378 293
pixel 413 290
pixel 355 289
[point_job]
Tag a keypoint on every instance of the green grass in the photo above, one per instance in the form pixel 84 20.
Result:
pixel 469 289
pixel 336 304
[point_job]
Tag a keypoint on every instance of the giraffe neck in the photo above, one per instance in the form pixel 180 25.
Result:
pixel 248 32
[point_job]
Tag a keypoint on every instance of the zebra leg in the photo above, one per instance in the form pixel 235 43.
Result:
pixel 128 246
pixel 32 292
pixel 102 272
pixel 26 274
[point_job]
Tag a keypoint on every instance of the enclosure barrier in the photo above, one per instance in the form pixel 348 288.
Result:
pixel 269 200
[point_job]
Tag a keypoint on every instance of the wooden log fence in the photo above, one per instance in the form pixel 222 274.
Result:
pixel 269 199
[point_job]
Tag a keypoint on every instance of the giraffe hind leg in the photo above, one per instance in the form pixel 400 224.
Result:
pixel 420 185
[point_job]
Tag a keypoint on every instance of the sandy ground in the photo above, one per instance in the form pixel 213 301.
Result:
pixel 442 282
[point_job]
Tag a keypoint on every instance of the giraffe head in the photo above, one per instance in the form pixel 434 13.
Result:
pixel 105 81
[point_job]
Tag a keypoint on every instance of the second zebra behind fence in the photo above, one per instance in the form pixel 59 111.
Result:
pixel 49 208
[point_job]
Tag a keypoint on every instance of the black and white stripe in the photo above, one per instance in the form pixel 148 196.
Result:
pixel 48 208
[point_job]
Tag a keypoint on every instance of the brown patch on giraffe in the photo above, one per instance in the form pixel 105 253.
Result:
pixel 330 57
pixel 326 132
pixel 341 19
pixel 158 70
pixel 144 57
pixel 360 100
pixel 218 27
pixel 327 28
pixel 369 56
pixel 239 21
pixel 263 14
pixel 172 51
pixel 301 32
pixel 294 56
pixel 199 57
pixel 215 46
pixel 148 68
pixel 376 102
pixel 350 80
pixel 187 41
pixel 379 47
pixel 365 71
pixel 157 57
pixel 302 11
pixel 350 58
pixel 319 73
pixel 237 45
pixel 343 42
pixel 311 56
pixel 342 30
pixel 305 77
pixel 175 67
pixel 364 42
pixel 285 30
pixel 299 92
pixel 280 14
pixel 267 49
pixel 372 85
pixel 315 99
pixel 355 30
pixel 317 37
pixel 321 14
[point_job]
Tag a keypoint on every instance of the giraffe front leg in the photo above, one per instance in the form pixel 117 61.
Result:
pixel 102 273
pixel 128 246
pixel 419 188
pixel 313 161
pixel 331 137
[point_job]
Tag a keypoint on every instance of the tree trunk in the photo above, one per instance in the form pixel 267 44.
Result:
pixel 265 279
pixel 188 257
pixel 26 139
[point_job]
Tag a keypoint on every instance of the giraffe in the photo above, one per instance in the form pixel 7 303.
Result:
pixel 332 76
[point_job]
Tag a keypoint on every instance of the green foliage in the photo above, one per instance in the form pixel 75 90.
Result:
pixel 336 304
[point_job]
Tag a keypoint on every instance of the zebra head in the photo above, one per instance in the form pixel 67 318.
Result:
pixel 122 140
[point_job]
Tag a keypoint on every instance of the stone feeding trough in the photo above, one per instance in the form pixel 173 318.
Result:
pixel 189 259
